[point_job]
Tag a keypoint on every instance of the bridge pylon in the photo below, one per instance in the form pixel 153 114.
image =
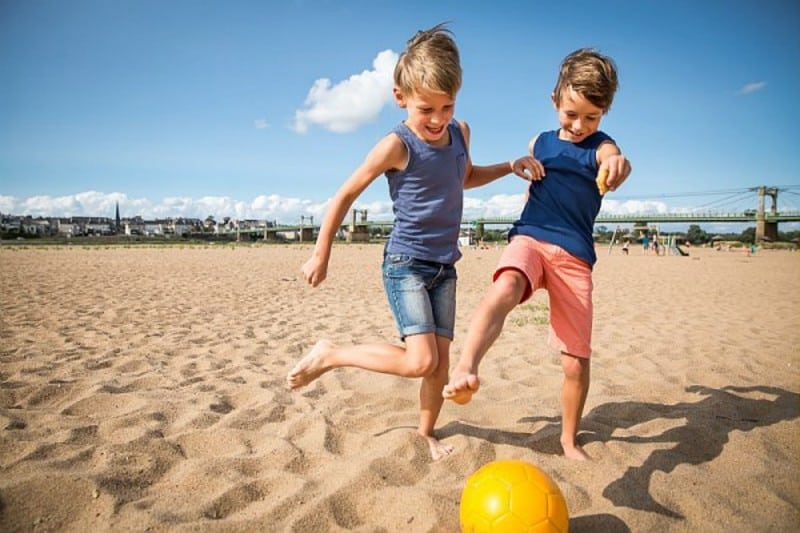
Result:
pixel 766 230
pixel 358 231
pixel 306 234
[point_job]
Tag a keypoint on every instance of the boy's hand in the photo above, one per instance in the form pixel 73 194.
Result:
pixel 528 168
pixel 315 271
pixel 616 169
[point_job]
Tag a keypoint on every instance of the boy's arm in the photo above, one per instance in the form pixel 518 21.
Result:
pixel 388 153
pixel 609 157
pixel 476 176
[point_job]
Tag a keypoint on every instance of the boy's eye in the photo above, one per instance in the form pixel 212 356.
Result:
pixel 429 110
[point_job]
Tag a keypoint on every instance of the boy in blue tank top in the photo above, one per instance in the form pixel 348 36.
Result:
pixel 427 164
pixel 551 245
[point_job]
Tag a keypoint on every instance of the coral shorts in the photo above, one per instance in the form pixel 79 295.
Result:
pixel 568 282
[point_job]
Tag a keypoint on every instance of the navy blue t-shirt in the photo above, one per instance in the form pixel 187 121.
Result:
pixel 562 207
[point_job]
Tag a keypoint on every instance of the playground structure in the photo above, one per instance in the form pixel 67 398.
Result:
pixel 666 244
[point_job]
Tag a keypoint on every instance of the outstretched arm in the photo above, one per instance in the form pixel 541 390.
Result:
pixel 390 152
pixel 477 176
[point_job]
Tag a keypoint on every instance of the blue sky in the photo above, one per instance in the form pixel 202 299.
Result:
pixel 262 109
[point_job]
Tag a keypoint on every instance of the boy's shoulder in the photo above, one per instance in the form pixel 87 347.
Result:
pixel 598 138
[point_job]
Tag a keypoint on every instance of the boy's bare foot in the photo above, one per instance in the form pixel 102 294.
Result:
pixel 311 366
pixel 438 448
pixel 461 388
pixel 575 452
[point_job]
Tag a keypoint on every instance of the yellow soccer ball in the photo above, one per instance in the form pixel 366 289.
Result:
pixel 512 496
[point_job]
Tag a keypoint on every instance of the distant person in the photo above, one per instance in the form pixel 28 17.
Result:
pixel 645 244
pixel 625 247
pixel 427 164
pixel 551 245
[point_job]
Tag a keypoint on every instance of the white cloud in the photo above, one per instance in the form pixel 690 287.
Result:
pixel 378 210
pixel 260 124
pixel 651 207
pixel 97 204
pixel 8 204
pixel 88 203
pixel 270 207
pixel 345 106
pixel 281 209
pixel 752 87
pixel 500 205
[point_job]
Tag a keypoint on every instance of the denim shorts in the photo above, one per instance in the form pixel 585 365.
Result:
pixel 422 295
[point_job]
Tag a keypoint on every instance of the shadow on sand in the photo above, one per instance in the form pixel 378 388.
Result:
pixel 708 423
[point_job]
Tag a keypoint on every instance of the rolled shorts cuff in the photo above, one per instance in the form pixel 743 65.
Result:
pixel 422 330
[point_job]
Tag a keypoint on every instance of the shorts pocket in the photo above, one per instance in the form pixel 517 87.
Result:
pixel 397 260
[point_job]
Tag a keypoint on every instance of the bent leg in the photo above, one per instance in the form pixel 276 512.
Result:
pixel 573 398
pixel 417 359
pixel 484 328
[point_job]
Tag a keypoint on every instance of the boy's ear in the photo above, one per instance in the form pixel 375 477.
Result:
pixel 399 98
pixel 553 99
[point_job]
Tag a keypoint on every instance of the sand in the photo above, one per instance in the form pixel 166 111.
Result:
pixel 143 389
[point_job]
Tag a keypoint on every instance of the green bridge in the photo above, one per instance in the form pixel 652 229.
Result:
pixel 766 220
pixel 766 223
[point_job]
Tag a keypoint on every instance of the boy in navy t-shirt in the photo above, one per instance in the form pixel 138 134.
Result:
pixel 551 245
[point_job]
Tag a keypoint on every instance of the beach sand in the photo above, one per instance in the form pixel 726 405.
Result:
pixel 143 389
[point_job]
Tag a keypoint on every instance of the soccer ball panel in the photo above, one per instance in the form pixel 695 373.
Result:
pixel 513 496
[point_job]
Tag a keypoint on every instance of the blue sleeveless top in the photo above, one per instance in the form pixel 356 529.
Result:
pixel 427 197
pixel 562 207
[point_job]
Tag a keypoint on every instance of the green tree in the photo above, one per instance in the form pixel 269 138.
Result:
pixel 748 235
pixel 696 235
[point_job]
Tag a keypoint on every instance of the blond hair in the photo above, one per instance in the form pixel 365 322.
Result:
pixel 590 74
pixel 430 62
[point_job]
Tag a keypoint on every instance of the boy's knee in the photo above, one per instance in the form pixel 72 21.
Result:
pixel 423 367
pixel 439 375
pixel 422 356
pixel 510 286
pixel 574 367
